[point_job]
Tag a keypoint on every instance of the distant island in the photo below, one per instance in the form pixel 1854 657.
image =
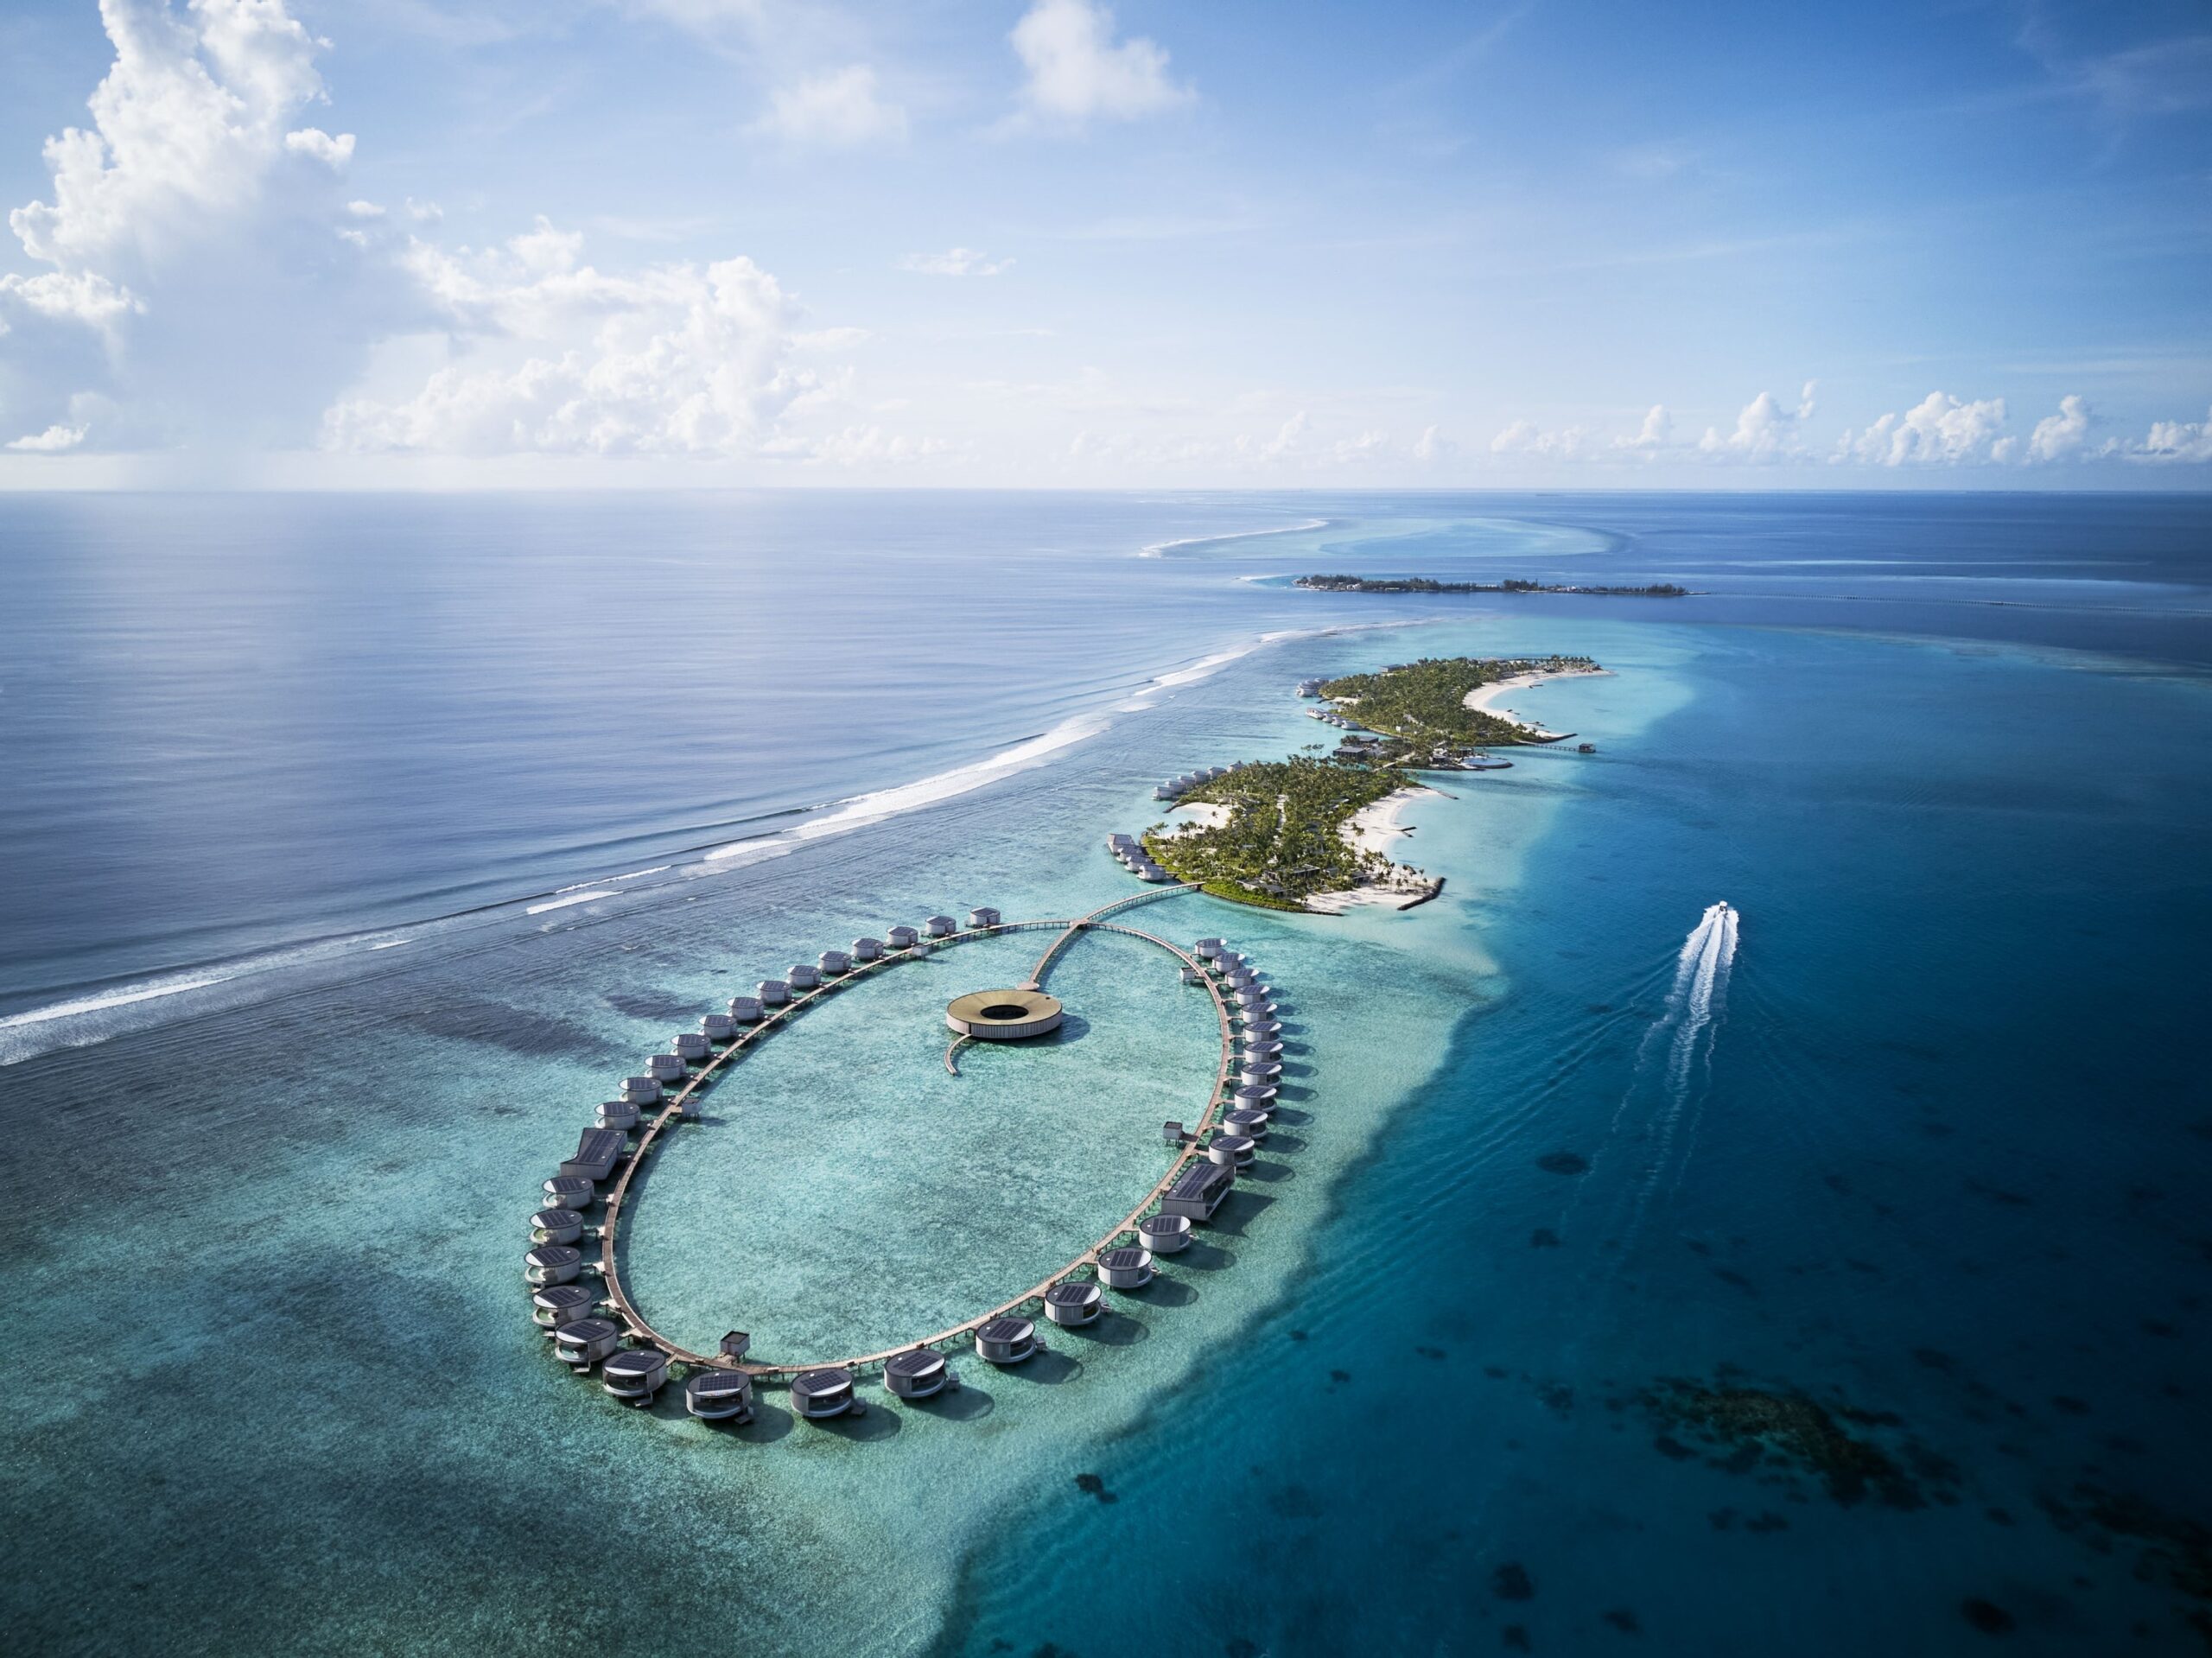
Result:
pixel 1311 833
pixel 1422 584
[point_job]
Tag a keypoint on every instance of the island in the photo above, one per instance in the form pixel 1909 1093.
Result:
pixel 1312 832
pixel 1423 584
pixel 1436 714
pixel 1296 833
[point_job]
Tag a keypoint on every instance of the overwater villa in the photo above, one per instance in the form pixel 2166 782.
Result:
pixel 1007 1340
pixel 719 1395
pixel 634 1375
pixel 586 1341
pixel 920 1374
pixel 820 1394
pixel 1073 1301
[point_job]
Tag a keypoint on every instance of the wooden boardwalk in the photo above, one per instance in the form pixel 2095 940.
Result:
pixel 673 1112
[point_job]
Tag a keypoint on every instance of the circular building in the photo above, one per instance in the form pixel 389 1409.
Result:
pixel 1004 1015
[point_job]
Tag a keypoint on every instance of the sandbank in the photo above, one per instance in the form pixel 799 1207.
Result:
pixel 1481 698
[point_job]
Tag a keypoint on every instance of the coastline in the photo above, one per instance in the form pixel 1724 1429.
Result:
pixel 1373 828
pixel 1481 698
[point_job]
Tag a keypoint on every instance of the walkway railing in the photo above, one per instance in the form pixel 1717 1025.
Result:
pixel 610 1267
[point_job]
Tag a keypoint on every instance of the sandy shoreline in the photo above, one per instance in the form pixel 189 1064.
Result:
pixel 1203 813
pixel 1482 697
pixel 1373 829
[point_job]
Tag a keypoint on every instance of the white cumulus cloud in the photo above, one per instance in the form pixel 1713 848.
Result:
pixel 839 110
pixel 333 153
pixel 1076 70
pixel 1655 433
pixel 2174 440
pixel 1765 430
pixel 84 297
pixel 1526 437
pixel 53 441
pixel 2064 433
pixel 186 126
pixel 1939 430
pixel 195 289
pixel 558 357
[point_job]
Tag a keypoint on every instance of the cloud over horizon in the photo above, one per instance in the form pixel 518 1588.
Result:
pixel 685 235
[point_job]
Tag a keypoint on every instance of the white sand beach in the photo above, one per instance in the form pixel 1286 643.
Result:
pixel 1203 813
pixel 1374 830
pixel 1376 827
pixel 1482 698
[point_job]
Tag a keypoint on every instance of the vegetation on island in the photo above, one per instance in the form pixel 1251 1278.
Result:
pixel 1283 838
pixel 1283 841
pixel 1425 584
pixel 1420 708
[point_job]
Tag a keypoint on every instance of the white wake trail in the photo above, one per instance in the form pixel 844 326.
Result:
pixel 1687 1026
pixel 1706 960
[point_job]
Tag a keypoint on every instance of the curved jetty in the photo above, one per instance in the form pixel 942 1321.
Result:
pixel 634 1358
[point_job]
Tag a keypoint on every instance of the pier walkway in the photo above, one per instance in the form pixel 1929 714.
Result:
pixel 717 1065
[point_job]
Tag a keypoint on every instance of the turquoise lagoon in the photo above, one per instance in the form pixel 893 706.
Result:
pixel 1923 1148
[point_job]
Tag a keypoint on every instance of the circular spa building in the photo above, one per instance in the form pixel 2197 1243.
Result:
pixel 1004 1015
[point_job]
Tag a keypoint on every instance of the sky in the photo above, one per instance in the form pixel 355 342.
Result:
pixel 449 243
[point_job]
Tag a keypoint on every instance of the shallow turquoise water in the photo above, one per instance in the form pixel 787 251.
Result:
pixel 846 1193
pixel 1932 1150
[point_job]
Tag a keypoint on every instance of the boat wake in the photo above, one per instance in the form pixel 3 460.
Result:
pixel 1700 995
pixel 1674 1062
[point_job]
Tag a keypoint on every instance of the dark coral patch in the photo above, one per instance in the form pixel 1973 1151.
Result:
pixel 1511 1582
pixel 1795 1430
pixel 1987 1615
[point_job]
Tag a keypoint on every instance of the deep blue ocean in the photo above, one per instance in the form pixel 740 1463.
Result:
pixel 1825 1275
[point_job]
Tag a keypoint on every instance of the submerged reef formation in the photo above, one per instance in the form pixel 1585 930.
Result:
pixel 2172 1551
pixel 1424 584
pixel 1786 1431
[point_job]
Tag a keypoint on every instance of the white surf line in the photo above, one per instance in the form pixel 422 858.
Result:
pixel 859 811
pixel 572 898
pixel 1160 549
pixel 146 991
pixel 26 1035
